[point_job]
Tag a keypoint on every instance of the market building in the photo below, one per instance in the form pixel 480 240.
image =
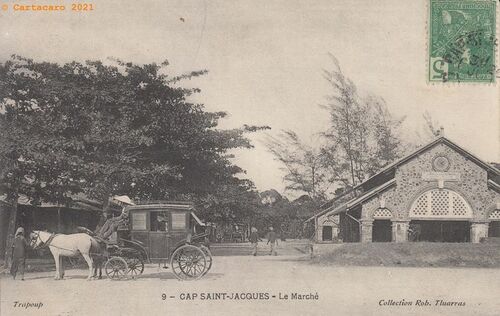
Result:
pixel 65 219
pixel 439 193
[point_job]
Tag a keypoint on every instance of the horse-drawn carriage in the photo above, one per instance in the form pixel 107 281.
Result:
pixel 167 233
pixel 156 233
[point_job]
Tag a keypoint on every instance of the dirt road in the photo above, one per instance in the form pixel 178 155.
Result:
pixel 246 285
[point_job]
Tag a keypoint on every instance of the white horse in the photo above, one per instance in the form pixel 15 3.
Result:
pixel 61 245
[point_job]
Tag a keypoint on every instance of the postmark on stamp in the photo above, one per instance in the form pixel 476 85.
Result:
pixel 462 40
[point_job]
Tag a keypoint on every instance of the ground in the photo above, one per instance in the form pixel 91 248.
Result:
pixel 353 290
pixel 413 254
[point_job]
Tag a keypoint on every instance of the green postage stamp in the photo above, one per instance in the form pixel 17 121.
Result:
pixel 462 41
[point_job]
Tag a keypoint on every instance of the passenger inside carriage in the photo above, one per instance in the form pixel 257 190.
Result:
pixel 159 221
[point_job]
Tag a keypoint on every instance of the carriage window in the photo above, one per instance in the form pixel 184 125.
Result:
pixel 179 221
pixel 139 221
pixel 158 221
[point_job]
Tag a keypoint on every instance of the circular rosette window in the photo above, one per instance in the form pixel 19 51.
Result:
pixel 440 163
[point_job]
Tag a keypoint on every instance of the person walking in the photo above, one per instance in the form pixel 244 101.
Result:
pixel 18 254
pixel 254 239
pixel 272 239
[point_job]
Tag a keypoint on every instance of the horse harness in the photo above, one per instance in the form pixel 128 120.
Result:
pixel 42 243
pixel 47 243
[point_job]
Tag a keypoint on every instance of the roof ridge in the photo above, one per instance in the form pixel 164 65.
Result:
pixel 425 147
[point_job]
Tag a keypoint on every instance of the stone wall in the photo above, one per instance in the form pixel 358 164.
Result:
pixel 326 220
pixel 472 185
pixel 465 177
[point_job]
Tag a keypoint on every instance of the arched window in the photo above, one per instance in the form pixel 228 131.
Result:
pixel 382 213
pixel 495 215
pixel 440 203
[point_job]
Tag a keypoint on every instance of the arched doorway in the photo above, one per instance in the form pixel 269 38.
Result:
pixel 327 233
pixel 382 225
pixel 441 215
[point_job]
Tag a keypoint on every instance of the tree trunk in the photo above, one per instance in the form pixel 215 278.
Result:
pixel 313 188
pixel 347 106
pixel 105 205
pixel 59 219
pixel 11 230
pixel 349 149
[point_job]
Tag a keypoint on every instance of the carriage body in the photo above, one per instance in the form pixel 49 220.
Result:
pixel 168 233
pixel 159 227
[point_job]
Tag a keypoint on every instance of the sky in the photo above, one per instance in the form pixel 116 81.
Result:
pixel 265 61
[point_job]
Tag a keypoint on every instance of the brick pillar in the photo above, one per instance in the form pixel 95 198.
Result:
pixel 478 230
pixel 366 230
pixel 317 230
pixel 400 231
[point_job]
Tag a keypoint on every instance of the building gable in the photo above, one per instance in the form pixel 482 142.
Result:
pixel 388 173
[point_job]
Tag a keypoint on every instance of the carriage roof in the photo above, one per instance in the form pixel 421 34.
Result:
pixel 167 206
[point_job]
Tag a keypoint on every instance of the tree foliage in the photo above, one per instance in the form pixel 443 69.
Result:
pixel 304 169
pixel 287 217
pixel 363 135
pixel 117 128
pixel 362 138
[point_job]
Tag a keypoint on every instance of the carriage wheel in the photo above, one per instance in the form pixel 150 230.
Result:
pixel 208 255
pixel 135 266
pixel 188 262
pixel 116 268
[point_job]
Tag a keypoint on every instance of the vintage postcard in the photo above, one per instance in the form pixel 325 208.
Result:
pixel 266 157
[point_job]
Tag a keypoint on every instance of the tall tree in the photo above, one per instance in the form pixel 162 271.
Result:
pixel 104 129
pixel 302 164
pixel 385 141
pixel 362 136
pixel 349 120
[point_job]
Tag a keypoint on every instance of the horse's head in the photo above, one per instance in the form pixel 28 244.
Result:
pixel 35 240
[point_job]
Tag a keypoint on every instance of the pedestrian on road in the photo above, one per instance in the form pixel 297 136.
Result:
pixel 254 239
pixel 18 254
pixel 272 239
